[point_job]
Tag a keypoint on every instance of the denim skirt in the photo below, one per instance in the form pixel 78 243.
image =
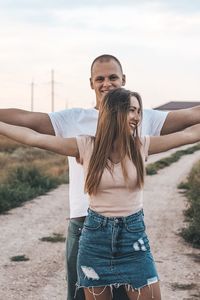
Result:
pixel 115 251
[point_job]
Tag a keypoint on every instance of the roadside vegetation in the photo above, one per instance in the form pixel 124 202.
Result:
pixel 192 191
pixel 55 238
pixel 27 173
pixel 153 168
pixel 19 258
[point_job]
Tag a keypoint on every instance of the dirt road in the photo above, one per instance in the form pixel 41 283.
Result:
pixel 42 277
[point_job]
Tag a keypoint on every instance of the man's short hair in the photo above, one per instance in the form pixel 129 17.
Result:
pixel 106 58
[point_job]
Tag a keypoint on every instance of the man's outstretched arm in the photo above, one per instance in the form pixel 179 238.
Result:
pixel 180 119
pixel 37 121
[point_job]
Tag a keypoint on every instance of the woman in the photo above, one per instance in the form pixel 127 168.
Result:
pixel 114 248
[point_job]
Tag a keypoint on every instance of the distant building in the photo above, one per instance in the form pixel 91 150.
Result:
pixel 173 105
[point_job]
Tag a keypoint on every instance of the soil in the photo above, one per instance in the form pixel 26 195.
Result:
pixel 42 277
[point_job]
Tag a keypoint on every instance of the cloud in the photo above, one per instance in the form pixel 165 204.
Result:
pixel 154 39
pixel 45 11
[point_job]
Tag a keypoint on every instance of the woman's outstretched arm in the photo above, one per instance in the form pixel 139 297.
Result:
pixel 64 146
pixel 163 143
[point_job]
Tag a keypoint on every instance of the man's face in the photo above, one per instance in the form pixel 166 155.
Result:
pixel 106 76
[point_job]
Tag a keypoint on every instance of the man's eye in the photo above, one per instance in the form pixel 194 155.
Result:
pixel 113 78
pixel 99 79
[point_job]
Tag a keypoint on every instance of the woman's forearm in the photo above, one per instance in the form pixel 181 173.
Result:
pixel 20 134
pixel 163 143
pixel 193 133
pixel 27 136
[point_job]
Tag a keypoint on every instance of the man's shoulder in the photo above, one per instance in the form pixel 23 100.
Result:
pixel 153 113
pixel 153 121
pixel 148 111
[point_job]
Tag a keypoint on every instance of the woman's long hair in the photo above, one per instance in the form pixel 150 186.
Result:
pixel 112 125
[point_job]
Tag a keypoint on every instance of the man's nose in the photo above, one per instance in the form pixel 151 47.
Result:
pixel 107 82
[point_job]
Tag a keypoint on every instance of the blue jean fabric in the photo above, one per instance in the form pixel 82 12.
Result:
pixel 74 233
pixel 115 251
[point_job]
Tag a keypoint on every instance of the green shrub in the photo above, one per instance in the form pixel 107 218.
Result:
pixel 55 238
pixel 192 232
pixel 24 183
pixel 19 258
pixel 184 186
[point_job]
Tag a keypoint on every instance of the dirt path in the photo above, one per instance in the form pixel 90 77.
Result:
pixel 43 276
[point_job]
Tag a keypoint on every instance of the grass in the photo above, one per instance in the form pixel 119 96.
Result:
pixel 24 183
pixel 192 191
pixel 153 168
pixel 19 258
pixel 195 257
pixel 27 173
pixel 181 286
pixel 55 238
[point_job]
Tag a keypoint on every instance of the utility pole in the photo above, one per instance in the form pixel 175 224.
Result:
pixel 52 90
pixel 32 95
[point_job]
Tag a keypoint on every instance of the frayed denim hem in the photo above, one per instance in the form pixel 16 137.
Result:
pixel 127 286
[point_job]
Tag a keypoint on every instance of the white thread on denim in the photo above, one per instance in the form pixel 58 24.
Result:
pixel 139 245
pixel 136 246
pixel 90 273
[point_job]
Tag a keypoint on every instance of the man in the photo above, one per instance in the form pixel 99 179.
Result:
pixel 106 74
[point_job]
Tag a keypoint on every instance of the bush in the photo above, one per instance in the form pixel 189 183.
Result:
pixel 184 185
pixel 192 232
pixel 55 238
pixel 24 183
pixel 19 258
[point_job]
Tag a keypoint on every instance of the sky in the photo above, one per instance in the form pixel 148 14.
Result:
pixel 157 42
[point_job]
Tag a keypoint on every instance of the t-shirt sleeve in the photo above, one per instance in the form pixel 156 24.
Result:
pixel 62 122
pixel 153 121
pixel 145 146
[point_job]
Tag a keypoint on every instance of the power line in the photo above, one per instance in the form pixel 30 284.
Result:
pixel 52 90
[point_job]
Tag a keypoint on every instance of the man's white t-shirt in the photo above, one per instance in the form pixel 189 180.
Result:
pixel 79 121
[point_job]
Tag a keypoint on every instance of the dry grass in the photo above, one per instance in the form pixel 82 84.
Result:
pixel 27 173
pixel 13 155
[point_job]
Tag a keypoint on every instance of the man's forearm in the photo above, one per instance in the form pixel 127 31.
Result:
pixel 13 116
pixel 35 120
pixel 180 119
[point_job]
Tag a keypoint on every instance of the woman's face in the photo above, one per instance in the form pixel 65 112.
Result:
pixel 134 114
